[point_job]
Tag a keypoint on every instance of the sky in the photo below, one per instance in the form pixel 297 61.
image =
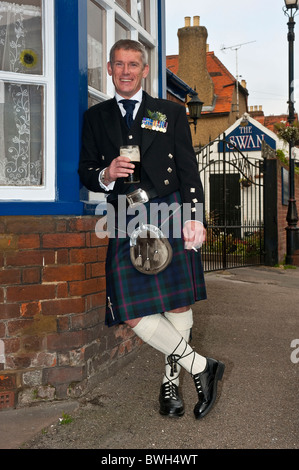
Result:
pixel 258 29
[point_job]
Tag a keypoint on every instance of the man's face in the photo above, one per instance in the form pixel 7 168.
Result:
pixel 127 72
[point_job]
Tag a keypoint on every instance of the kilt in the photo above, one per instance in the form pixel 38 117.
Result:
pixel 132 294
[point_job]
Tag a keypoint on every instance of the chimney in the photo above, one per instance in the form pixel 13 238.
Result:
pixel 193 59
pixel 187 22
pixel 244 84
pixel 196 20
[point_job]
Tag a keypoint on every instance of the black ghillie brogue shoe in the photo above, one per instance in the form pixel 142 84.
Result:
pixel 171 403
pixel 206 386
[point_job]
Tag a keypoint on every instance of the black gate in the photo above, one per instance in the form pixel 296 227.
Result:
pixel 233 185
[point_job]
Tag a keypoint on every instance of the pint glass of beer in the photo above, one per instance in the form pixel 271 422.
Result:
pixel 133 152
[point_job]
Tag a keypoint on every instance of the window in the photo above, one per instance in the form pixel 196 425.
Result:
pixel 27 161
pixel 121 32
pixel 109 21
pixel 143 10
pixel 125 4
pixel 96 49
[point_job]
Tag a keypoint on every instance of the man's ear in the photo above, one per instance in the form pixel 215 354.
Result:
pixel 145 71
pixel 109 68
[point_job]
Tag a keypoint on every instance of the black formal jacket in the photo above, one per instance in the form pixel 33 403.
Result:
pixel 168 160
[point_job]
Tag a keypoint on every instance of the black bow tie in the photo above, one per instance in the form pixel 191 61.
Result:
pixel 129 106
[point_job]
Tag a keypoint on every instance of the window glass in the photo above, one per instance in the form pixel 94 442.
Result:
pixel 121 32
pixel 143 10
pixel 125 4
pixel 21 48
pixel 21 134
pixel 96 52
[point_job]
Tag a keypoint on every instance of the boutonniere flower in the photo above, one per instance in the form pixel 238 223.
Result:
pixel 155 121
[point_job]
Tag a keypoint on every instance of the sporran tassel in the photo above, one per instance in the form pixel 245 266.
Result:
pixel 138 261
pixel 147 264
pixel 156 256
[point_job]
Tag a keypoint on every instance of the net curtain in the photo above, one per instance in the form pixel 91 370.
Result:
pixel 21 104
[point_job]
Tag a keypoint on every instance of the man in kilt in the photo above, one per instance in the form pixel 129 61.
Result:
pixel 156 305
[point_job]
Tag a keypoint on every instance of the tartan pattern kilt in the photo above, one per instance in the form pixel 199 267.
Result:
pixel 132 294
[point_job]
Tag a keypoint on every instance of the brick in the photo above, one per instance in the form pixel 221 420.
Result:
pixel 30 258
pixel 97 269
pixel 23 361
pixel 63 273
pixel 16 327
pixel 31 241
pixel 96 300
pixel 63 324
pixel 8 242
pixel 62 290
pixel 10 276
pixel 102 253
pixel 2 330
pixel 30 292
pixel 31 275
pixel 96 241
pixel 61 375
pixel 83 224
pixel 30 309
pixel 31 343
pixel 1 260
pixel 84 255
pixel 61 225
pixel 62 256
pixel 86 320
pixel 7 382
pixel 9 311
pixel 12 345
pixel 66 341
pixel 30 224
pixel 63 306
pixel 65 240
pixel 89 286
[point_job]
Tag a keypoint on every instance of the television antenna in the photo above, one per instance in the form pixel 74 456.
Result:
pixel 236 49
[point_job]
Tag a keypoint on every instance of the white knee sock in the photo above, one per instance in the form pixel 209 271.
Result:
pixel 183 323
pixel 159 333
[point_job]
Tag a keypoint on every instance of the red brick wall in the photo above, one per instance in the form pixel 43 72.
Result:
pixel 52 309
pixel 282 211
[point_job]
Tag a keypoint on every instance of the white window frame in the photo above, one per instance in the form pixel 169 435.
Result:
pixel 114 11
pixel 47 191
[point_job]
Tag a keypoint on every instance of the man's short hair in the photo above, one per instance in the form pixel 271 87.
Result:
pixel 128 45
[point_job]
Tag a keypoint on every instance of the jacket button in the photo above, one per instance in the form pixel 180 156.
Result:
pixel 169 170
pixel 166 182
pixel 130 137
pixel 170 155
pixel 192 190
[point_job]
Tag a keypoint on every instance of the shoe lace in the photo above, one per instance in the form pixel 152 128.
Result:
pixel 198 385
pixel 173 358
pixel 170 390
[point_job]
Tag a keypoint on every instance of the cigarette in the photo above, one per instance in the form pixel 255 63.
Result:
pixel 193 248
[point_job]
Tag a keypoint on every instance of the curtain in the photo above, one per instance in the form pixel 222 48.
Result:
pixel 21 104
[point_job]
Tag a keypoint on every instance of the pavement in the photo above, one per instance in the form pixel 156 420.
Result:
pixel 250 321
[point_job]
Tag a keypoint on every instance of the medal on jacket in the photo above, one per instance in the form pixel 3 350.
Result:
pixel 156 121
pixel 154 125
